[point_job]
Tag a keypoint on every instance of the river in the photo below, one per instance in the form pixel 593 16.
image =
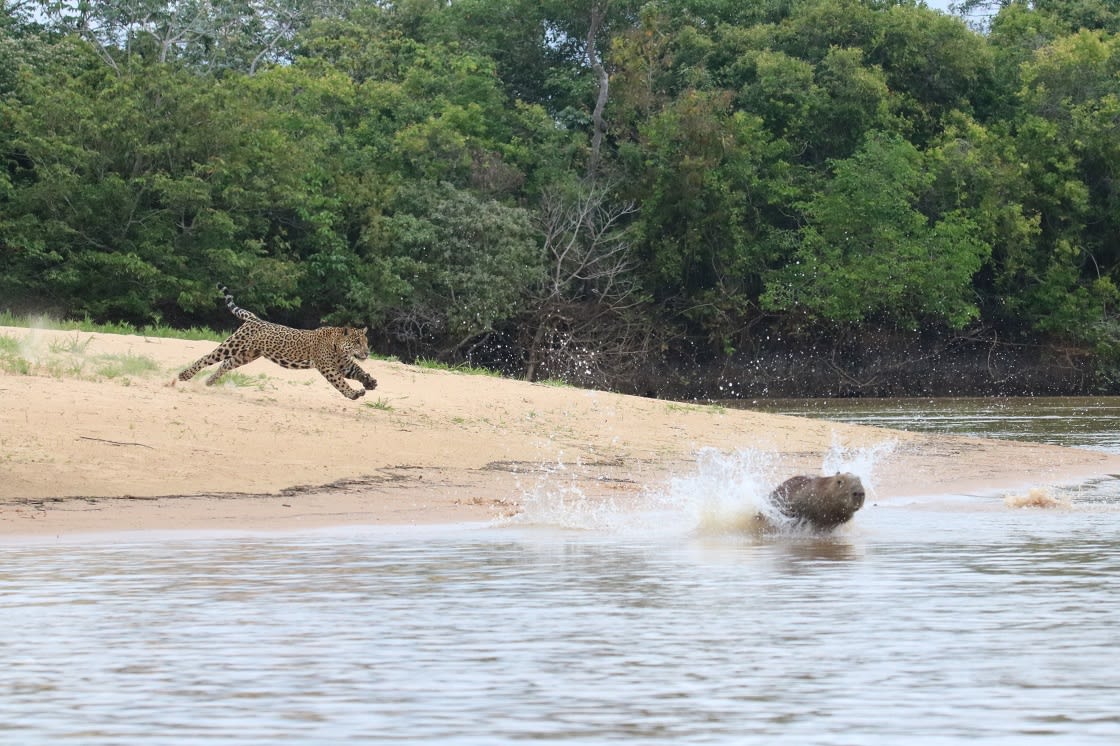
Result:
pixel 925 621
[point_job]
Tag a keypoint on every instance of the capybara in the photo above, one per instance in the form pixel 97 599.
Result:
pixel 822 502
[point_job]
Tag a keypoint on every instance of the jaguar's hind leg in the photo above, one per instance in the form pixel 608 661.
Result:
pixel 354 372
pixel 220 353
pixel 234 361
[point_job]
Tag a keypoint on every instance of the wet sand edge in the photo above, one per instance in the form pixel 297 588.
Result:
pixel 432 496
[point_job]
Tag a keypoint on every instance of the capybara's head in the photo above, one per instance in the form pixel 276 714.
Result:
pixel 850 486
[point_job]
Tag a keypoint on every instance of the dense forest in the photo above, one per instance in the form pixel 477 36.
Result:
pixel 687 198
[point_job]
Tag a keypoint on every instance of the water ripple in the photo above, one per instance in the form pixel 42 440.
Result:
pixel 892 631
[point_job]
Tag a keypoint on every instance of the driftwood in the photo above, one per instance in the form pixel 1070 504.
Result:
pixel 114 442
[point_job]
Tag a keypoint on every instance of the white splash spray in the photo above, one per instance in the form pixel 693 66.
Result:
pixel 555 499
pixel 859 461
pixel 727 492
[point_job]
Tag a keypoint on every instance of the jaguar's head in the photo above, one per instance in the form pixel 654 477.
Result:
pixel 356 343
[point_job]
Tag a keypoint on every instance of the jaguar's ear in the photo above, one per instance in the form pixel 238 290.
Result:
pixel 365 329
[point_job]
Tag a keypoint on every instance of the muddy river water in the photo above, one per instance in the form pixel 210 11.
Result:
pixel 931 620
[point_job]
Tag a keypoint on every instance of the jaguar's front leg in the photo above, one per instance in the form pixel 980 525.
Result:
pixel 336 380
pixel 355 372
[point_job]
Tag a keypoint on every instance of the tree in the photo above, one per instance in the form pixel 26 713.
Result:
pixel 598 12
pixel 979 173
pixel 1066 139
pixel 867 254
pixel 934 66
pixel 206 34
pixel 462 264
pixel 713 181
pixel 850 100
pixel 581 324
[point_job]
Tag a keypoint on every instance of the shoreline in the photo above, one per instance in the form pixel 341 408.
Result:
pixel 83 450
pixel 188 517
pixel 431 499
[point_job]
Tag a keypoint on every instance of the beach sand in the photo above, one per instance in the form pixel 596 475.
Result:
pixel 93 438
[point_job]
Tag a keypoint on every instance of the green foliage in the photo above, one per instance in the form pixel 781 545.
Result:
pixel 934 66
pixel 791 164
pixel 7 318
pixel 867 253
pixel 463 261
pixel 129 207
pixel 710 175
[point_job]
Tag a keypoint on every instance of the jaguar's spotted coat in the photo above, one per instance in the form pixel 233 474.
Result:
pixel 329 349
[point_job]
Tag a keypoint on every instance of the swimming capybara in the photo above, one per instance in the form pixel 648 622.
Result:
pixel 822 502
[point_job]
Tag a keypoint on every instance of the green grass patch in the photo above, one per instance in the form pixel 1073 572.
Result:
pixel 380 404
pixel 31 321
pixel 11 357
pixel 123 366
pixel 74 345
pixel 59 367
pixel 68 358
pixel 464 368
pixel 15 364
pixel 244 380
pixel 681 407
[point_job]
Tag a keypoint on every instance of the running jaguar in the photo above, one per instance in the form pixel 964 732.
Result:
pixel 329 349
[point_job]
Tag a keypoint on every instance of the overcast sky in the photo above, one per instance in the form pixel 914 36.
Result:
pixel 939 4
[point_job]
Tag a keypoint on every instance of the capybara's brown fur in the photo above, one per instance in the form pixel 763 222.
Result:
pixel 822 502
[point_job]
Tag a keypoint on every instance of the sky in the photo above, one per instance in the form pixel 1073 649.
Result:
pixel 942 5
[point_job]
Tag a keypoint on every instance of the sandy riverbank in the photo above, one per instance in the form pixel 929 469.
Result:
pixel 92 438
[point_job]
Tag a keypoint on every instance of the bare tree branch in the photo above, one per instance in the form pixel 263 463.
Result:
pixel 580 328
pixel 205 33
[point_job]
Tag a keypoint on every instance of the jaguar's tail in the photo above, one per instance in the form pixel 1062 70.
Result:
pixel 235 309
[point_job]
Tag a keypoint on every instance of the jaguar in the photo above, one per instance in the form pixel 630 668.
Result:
pixel 331 350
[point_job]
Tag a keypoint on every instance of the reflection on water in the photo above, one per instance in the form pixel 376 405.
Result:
pixel 1084 422
pixel 933 620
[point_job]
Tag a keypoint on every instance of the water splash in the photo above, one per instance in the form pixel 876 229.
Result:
pixel 1038 497
pixel 862 462
pixel 725 493
pixel 556 499
pixel 728 492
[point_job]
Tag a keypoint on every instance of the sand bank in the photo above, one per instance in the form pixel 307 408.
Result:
pixel 92 438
